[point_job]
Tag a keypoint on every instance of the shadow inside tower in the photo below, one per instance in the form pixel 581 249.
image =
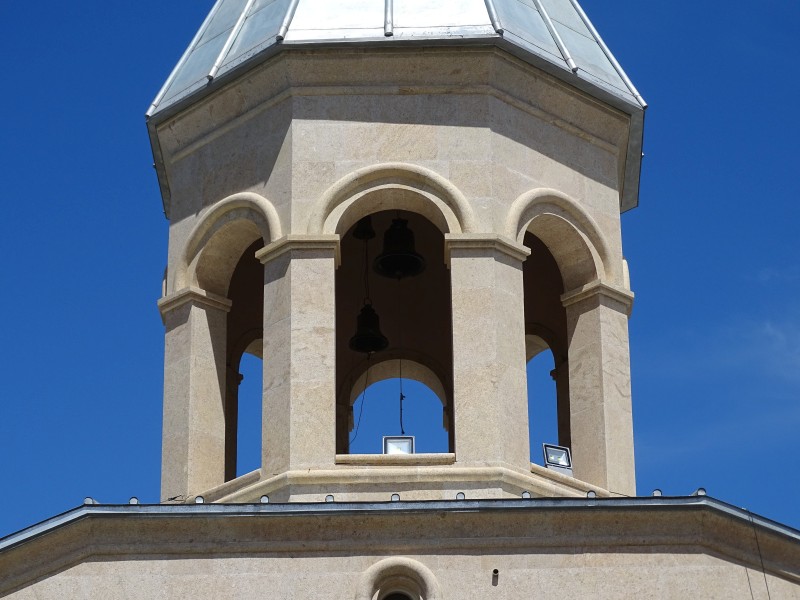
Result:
pixel 546 347
pixel 415 317
pixel 244 350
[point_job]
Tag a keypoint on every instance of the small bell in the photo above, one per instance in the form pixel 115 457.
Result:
pixel 368 337
pixel 399 259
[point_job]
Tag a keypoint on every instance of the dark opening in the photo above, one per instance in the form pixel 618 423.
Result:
pixel 415 316
pixel 244 333
pixel 547 346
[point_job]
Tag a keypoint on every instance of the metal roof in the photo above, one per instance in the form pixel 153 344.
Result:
pixel 555 34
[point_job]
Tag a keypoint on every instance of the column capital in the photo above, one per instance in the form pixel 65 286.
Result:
pixel 483 242
pixel 194 295
pixel 598 288
pixel 301 242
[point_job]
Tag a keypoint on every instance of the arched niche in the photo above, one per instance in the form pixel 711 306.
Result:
pixel 217 242
pixel 415 315
pixel 546 331
pixel 426 405
pixel 398 574
pixel 219 259
pixel 389 368
pixel 400 186
pixel 244 333
pixel 569 232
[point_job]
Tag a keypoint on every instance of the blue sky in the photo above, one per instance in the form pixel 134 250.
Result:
pixel 713 250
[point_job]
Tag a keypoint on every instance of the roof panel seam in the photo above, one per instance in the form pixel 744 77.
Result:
pixel 557 38
pixel 184 57
pixel 235 30
pixel 287 21
pixel 608 54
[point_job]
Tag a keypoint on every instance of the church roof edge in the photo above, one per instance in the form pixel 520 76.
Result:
pixel 554 34
pixel 352 508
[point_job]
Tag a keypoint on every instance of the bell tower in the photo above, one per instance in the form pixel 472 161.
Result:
pixel 357 189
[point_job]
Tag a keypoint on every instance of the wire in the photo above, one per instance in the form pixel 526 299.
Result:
pixel 760 556
pixel 402 397
pixel 400 348
pixel 363 399
pixel 366 272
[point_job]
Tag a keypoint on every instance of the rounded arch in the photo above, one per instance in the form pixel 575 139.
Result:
pixel 402 186
pixel 248 342
pixel 570 233
pixel 388 368
pixel 398 574
pixel 216 243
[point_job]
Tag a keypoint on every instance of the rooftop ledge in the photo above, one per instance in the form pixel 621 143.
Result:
pixel 305 509
pixel 393 460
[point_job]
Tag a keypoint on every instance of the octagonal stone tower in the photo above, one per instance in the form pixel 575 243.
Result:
pixel 509 139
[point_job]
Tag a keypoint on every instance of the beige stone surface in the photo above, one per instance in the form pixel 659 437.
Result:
pixel 482 146
pixel 551 552
pixel 193 448
pixel 600 397
pixel 299 339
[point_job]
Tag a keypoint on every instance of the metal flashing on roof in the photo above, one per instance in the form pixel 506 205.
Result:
pixel 238 30
pixel 553 35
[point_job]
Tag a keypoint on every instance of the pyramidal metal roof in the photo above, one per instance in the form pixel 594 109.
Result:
pixel 556 35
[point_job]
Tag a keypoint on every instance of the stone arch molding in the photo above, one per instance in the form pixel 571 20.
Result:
pixel 390 367
pixel 569 232
pixel 398 573
pixel 248 216
pixel 392 186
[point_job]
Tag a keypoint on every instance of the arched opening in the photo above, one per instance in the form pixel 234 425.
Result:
pixel 249 411
pixel 376 409
pixel 546 345
pixel 415 317
pixel 542 397
pixel 397 596
pixel 244 372
pixel 405 577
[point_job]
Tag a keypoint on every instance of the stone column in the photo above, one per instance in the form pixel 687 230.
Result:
pixel 600 386
pixel 299 419
pixel 490 398
pixel 193 445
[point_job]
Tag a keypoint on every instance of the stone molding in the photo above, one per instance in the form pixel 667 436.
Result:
pixel 393 460
pixel 194 295
pixel 287 83
pixel 646 533
pixel 534 203
pixel 541 483
pixel 415 177
pixel 269 224
pixel 302 242
pixel 386 571
pixel 480 241
pixel 599 288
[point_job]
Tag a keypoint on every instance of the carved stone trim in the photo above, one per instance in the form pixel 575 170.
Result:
pixel 472 241
pixel 194 295
pixel 301 242
pixel 598 288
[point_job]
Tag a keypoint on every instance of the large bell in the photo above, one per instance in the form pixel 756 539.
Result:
pixel 399 259
pixel 368 337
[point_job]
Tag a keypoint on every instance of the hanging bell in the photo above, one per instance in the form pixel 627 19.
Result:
pixel 399 259
pixel 368 337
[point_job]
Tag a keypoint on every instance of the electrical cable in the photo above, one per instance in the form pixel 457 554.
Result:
pixel 363 399
pixel 760 556
pixel 400 347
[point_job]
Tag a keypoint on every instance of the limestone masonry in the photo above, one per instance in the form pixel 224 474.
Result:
pixel 506 137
